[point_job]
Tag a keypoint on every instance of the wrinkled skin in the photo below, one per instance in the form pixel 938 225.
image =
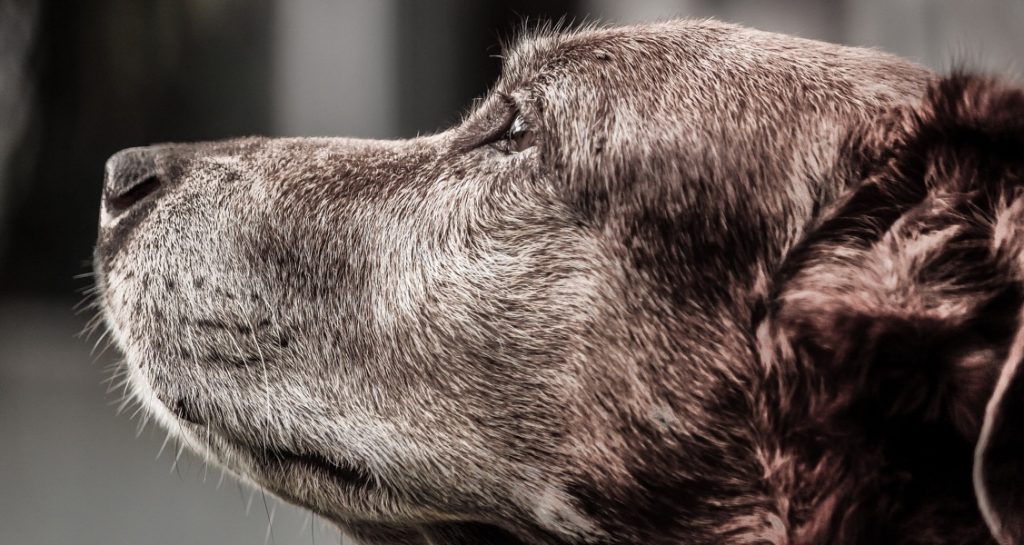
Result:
pixel 586 340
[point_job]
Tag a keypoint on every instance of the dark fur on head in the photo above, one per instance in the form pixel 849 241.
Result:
pixel 892 320
pixel 728 287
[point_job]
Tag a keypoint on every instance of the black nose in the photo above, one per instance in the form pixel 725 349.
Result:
pixel 131 177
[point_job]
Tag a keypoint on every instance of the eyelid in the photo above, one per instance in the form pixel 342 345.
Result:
pixel 497 132
pixel 491 124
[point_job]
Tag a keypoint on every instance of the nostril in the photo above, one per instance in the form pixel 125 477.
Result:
pixel 133 193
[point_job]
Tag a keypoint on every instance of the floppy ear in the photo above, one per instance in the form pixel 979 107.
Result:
pixel 903 304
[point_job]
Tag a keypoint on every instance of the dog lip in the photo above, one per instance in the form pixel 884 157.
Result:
pixel 278 461
pixel 344 472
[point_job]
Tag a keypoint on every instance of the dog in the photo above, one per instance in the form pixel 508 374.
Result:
pixel 673 283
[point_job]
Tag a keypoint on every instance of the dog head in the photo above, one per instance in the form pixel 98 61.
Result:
pixel 672 283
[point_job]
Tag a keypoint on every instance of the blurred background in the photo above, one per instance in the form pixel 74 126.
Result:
pixel 80 80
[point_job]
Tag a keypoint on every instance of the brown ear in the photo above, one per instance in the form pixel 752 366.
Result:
pixel 904 301
pixel 999 456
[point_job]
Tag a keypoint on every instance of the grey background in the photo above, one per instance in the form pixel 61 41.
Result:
pixel 79 80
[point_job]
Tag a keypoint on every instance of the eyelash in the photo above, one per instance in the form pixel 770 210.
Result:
pixel 515 136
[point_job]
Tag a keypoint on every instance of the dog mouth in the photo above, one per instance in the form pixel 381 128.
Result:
pixel 278 466
pixel 277 461
pixel 344 473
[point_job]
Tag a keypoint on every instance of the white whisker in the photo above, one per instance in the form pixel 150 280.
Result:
pixel 167 438
pixel 269 537
pixel 248 503
pixel 174 465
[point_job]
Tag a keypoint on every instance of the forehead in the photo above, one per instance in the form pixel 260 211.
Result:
pixel 549 52
pixel 690 55
pixel 699 85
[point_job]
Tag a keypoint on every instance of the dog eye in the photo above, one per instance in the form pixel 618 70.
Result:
pixel 517 137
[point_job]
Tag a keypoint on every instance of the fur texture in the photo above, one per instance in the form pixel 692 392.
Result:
pixel 739 288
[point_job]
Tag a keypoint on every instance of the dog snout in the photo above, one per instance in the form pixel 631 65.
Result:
pixel 131 178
